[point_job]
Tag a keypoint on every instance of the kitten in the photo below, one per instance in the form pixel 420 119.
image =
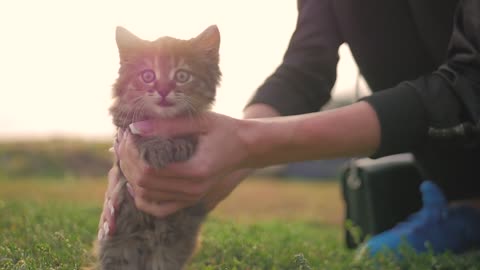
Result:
pixel 164 78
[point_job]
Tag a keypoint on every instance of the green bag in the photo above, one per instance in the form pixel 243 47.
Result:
pixel 378 194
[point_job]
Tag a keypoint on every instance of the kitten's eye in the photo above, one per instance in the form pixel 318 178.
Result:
pixel 148 76
pixel 182 76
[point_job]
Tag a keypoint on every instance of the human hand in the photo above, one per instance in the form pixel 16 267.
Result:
pixel 218 192
pixel 208 176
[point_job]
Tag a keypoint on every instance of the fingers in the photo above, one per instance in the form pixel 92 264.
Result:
pixel 160 209
pixel 153 193
pixel 133 167
pixel 156 195
pixel 138 173
pixel 126 147
pixel 192 169
pixel 164 189
pixel 171 127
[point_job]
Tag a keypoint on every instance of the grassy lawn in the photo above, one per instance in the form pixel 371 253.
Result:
pixel 265 224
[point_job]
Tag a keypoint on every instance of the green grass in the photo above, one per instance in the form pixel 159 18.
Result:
pixel 45 236
pixel 60 236
pixel 58 233
pixel 266 245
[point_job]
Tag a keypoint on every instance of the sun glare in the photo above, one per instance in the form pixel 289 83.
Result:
pixel 59 58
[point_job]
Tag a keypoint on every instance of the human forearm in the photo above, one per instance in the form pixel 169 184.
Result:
pixel 230 148
pixel 260 110
pixel 349 131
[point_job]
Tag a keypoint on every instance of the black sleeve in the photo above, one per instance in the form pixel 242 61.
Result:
pixel 440 105
pixel 302 83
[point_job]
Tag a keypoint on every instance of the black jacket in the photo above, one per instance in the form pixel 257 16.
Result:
pixel 420 57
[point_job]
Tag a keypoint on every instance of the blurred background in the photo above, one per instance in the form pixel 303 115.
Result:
pixel 59 60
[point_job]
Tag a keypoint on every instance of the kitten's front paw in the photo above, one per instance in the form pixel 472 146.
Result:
pixel 183 149
pixel 157 153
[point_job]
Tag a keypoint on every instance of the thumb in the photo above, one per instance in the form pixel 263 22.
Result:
pixel 170 127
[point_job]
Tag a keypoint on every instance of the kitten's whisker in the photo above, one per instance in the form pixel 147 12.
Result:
pixel 131 111
pixel 139 112
pixel 124 112
pixel 189 111
pixel 122 116
pixel 127 118
pixel 196 112
pixel 193 112
pixel 135 111
pixel 142 109
pixel 194 109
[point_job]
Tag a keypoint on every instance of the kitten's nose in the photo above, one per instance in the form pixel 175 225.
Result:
pixel 165 88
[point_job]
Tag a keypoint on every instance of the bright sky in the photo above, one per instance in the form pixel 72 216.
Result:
pixel 58 59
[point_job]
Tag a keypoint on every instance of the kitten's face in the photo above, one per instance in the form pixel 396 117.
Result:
pixel 165 77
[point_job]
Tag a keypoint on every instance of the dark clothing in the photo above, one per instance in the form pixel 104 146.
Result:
pixel 420 58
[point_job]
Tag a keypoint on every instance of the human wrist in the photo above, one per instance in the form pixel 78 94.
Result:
pixel 252 133
pixel 261 137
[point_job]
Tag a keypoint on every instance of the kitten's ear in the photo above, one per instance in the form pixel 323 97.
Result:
pixel 209 40
pixel 126 42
